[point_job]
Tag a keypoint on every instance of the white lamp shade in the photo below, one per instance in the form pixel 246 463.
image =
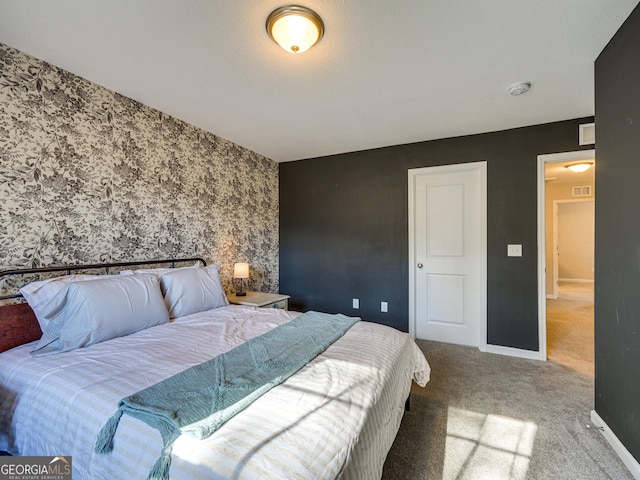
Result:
pixel 241 270
pixel 295 34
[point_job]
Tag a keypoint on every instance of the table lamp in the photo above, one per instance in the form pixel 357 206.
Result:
pixel 241 271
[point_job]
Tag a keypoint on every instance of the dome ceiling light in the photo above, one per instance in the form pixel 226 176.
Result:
pixel 579 167
pixel 296 29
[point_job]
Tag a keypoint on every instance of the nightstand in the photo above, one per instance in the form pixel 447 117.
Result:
pixel 259 299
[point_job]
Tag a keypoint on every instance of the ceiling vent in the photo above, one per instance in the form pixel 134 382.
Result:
pixel 581 191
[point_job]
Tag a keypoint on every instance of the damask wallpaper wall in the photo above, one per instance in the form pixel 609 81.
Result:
pixel 88 175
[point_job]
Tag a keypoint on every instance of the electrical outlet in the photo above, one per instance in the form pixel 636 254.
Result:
pixel 514 250
pixel 356 303
pixel 384 307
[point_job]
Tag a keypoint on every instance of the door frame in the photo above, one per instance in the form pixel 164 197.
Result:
pixel 542 231
pixel 414 173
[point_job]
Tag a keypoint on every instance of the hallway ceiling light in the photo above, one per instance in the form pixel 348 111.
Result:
pixel 295 28
pixel 579 167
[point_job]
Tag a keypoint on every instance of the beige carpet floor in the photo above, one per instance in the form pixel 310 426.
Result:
pixel 570 327
pixel 485 416
pixel 491 417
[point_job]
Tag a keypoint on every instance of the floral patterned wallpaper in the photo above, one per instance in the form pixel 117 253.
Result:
pixel 88 175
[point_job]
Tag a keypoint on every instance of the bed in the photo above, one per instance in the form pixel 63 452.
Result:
pixel 336 417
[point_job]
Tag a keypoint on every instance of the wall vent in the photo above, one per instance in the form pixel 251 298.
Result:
pixel 587 134
pixel 581 191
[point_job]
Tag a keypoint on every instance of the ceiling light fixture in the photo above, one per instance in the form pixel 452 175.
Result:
pixel 579 167
pixel 519 88
pixel 295 28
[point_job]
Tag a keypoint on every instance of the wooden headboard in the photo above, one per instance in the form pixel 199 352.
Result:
pixel 18 323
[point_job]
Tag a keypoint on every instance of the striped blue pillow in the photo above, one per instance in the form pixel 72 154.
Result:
pixel 40 293
pixel 85 313
pixel 192 290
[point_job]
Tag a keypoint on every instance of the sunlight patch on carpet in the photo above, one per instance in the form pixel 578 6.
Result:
pixel 486 446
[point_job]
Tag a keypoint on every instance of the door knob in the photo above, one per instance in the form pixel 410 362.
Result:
pixel 420 265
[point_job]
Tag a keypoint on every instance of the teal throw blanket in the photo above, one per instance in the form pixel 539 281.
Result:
pixel 202 398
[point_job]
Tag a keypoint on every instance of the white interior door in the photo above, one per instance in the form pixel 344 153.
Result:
pixel 448 253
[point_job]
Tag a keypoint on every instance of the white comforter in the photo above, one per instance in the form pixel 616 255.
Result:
pixel 336 418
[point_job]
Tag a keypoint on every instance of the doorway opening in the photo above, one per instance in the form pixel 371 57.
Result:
pixel 566 203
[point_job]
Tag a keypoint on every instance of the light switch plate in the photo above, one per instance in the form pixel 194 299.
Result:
pixel 514 250
pixel 384 307
pixel 356 303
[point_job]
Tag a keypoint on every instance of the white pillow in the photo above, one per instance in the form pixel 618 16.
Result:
pixel 85 313
pixel 191 290
pixel 157 271
pixel 39 294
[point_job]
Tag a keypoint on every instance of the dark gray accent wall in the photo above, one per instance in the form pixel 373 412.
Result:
pixel 343 226
pixel 617 279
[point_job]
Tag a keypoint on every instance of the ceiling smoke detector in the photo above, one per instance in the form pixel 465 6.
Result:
pixel 519 88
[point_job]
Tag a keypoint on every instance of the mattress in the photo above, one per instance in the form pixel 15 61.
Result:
pixel 335 418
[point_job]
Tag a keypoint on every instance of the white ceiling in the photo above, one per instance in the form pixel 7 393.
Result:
pixel 386 72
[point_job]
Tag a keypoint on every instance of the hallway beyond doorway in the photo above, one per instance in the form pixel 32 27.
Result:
pixel 570 327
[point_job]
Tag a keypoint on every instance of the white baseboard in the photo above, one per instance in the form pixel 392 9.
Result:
pixel 626 457
pixel 575 280
pixel 514 352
